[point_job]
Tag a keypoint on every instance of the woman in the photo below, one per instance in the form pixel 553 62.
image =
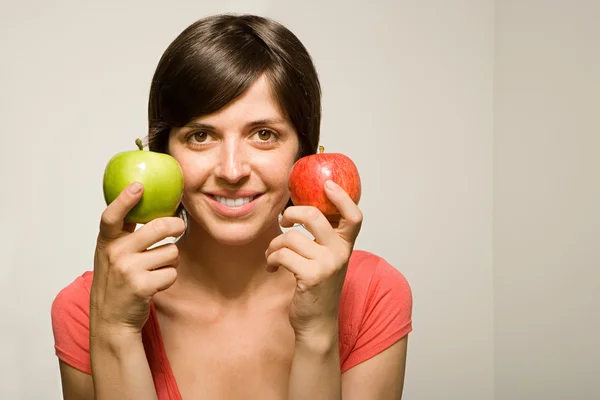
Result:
pixel 235 308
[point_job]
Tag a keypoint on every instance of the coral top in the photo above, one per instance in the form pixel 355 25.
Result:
pixel 375 312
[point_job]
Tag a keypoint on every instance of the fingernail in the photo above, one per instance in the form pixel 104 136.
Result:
pixel 135 188
pixel 331 185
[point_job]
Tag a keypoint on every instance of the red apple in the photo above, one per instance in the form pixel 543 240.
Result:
pixel 308 175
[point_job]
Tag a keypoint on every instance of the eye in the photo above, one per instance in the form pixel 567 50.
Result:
pixel 264 135
pixel 198 137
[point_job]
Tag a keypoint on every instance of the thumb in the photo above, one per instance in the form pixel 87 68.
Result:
pixel 112 222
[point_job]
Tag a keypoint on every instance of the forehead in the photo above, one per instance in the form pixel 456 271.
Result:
pixel 256 103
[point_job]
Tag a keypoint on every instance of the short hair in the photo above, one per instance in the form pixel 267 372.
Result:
pixel 216 59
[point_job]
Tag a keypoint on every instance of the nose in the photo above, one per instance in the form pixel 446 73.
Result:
pixel 233 165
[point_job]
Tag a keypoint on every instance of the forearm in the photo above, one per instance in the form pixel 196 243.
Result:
pixel 120 369
pixel 315 373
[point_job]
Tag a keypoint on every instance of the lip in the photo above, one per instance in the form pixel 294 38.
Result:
pixel 233 195
pixel 227 211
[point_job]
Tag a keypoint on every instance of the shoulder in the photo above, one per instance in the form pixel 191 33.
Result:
pixel 70 322
pixel 76 292
pixel 375 308
pixel 80 283
pixel 368 273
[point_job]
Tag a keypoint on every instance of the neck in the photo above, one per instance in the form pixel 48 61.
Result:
pixel 227 272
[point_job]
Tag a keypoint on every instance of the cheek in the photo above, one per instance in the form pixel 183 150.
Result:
pixel 194 172
pixel 274 170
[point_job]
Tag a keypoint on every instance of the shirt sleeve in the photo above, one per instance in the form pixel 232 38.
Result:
pixel 70 325
pixel 386 316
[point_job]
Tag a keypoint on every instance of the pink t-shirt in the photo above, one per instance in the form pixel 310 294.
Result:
pixel 375 312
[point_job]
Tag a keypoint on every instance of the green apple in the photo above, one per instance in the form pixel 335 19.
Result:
pixel 159 173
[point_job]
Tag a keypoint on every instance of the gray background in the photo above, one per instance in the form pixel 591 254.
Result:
pixel 474 125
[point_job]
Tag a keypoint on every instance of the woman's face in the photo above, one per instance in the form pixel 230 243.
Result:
pixel 235 165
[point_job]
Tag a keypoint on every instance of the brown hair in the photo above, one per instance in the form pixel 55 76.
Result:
pixel 216 59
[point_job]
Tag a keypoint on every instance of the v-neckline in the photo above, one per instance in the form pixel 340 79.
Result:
pixel 157 357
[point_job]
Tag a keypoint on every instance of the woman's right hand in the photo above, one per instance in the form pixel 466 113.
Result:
pixel 126 274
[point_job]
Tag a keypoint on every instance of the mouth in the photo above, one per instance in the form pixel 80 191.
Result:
pixel 234 202
pixel 234 205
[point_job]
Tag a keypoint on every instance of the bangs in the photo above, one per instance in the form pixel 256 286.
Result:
pixel 216 59
pixel 207 76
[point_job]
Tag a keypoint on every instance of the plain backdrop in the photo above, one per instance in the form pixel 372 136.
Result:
pixel 474 124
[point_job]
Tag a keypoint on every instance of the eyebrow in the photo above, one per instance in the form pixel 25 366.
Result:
pixel 253 124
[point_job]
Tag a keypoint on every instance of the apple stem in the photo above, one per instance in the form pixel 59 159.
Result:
pixel 139 143
pixel 321 149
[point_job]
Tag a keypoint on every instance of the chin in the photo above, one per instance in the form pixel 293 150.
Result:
pixel 235 233
pixel 232 235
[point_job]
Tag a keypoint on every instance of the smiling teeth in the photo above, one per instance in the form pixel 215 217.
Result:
pixel 234 202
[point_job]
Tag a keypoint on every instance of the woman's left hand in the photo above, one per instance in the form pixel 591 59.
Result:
pixel 320 265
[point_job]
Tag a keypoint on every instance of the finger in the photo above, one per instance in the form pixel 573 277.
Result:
pixel 160 256
pixel 290 260
pixel 112 222
pixel 162 278
pixel 313 220
pixel 351 217
pixel 297 242
pixel 154 231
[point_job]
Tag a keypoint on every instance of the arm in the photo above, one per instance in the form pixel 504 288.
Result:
pixel 76 385
pixel 320 267
pixel 315 373
pixel 380 377
pixel 101 331
pixel 120 368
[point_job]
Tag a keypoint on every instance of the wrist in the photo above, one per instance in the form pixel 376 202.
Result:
pixel 103 325
pixel 321 339
pixel 114 339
